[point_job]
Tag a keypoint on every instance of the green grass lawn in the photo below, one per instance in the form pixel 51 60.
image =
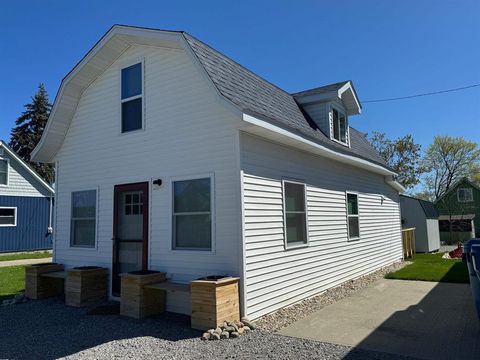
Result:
pixel 21 256
pixel 431 267
pixel 12 281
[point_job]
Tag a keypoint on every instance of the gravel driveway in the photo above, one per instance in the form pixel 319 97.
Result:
pixel 48 330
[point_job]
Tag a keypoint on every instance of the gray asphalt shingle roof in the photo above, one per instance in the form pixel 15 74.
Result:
pixel 321 89
pixel 257 97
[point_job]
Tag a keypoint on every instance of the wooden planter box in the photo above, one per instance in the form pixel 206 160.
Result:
pixel 135 300
pixel 86 285
pixel 39 287
pixel 214 301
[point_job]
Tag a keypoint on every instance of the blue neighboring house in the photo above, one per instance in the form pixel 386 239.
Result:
pixel 25 205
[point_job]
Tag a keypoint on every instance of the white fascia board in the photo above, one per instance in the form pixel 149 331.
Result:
pixel 324 151
pixel 349 87
pixel 26 167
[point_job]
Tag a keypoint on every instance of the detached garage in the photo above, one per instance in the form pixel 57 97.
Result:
pixel 422 216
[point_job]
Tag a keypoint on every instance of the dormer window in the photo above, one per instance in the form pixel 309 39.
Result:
pixel 339 126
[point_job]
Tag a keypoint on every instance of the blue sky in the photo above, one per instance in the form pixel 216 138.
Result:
pixel 387 48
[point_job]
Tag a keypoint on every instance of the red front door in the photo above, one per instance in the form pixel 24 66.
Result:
pixel 130 231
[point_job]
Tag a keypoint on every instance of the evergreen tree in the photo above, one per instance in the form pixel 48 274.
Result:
pixel 28 131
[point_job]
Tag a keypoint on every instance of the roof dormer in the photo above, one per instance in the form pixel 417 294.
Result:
pixel 329 107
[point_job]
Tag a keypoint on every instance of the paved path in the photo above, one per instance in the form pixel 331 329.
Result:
pixel 24 262
pixel 420 319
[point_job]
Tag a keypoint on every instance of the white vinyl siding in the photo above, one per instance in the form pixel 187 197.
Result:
pixel 276 277
pixel 188 132
pixel 20 181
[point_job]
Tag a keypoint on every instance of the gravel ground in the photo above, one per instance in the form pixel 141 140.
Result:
pixel 47 329
pixel 286 316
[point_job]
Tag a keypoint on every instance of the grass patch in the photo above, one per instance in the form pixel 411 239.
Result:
pixel 21 256
pixel 12 281
pixel 431 267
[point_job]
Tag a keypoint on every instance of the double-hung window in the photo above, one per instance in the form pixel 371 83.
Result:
pixel 352 216
pixel 339 126
pixel 132 98
pixel 295 214
pixel 8 216
pixel 192 214
pixel 3 172
pixel 465 195
pixel 83 218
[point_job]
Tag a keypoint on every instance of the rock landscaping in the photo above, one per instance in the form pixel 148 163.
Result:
pixel 286 316
pixel 229 329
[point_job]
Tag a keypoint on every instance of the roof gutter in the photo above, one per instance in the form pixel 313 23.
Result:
pixel 329 153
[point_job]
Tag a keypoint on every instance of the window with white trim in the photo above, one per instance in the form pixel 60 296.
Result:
pixel 8 216
pixel 192 214
pixel 295 213
pixel 339 125
pixel 465 195
pixel 352 216
pixel 83 218
pixel 3 172
pixel 132 98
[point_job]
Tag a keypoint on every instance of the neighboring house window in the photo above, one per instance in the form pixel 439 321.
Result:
pixel 465 195
pixel 295 214
pixel 339 126
pixel 192 214
pixel 352 216
pixel 8 216
pixel 132 108
pixel 3 172
pixel 84 215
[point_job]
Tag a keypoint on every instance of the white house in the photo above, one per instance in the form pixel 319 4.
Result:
pixel 195 166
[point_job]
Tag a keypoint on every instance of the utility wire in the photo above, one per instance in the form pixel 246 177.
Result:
pixel 424 94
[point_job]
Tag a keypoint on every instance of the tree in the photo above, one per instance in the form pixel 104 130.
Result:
pixel 448 160
pixel 402 155
pixel 28 131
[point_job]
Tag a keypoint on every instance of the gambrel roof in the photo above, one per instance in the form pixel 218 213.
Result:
pixel 247 91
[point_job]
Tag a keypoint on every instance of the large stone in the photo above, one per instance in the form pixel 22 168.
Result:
pixel 249 324
pixel 234 335
pixel 240 331
pixel 218 330
pixel 246 328
pixel 215 336
pixel 230 329
pixel 224 335
pixel 206 336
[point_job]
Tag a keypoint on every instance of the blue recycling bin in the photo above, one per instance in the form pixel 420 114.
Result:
pixel 472 256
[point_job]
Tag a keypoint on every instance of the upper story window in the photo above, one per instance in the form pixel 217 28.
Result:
pixel 132 98
pixel 295 213
pixel 465 195
pixel 3 172
pixel 339 120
